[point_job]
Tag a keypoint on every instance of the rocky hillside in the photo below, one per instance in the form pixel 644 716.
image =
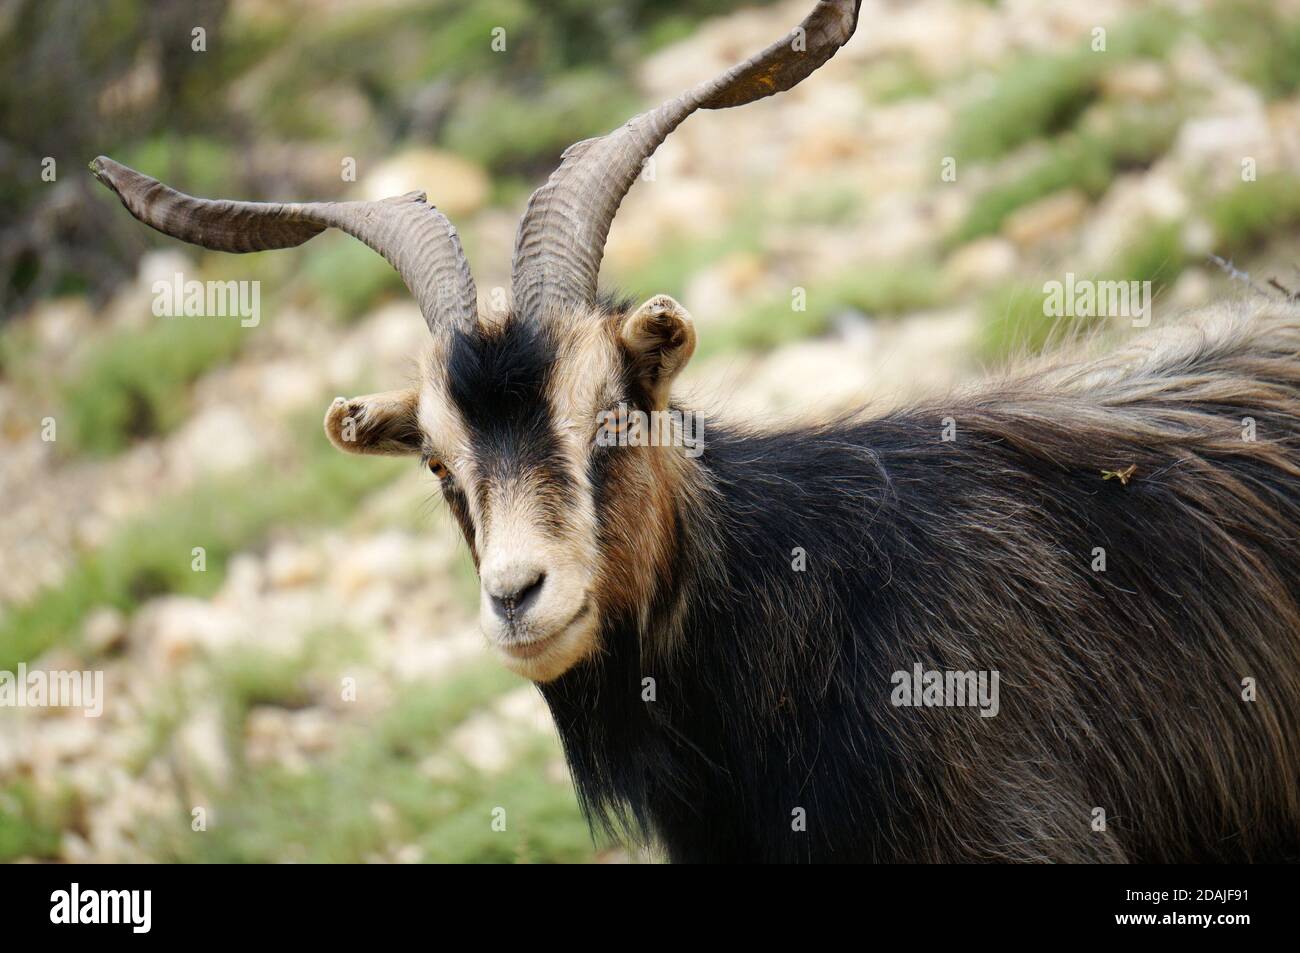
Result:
pixel 287 635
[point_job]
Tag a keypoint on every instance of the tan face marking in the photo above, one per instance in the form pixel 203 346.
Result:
pixel 564 540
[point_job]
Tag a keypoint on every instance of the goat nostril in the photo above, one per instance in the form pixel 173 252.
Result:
pixel 526 596
pixel 514 604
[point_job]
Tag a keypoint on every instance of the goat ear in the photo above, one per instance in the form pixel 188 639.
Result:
pixel 659 338
pixel 384 423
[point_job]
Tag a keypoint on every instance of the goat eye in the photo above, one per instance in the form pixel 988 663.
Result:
pixel 438 470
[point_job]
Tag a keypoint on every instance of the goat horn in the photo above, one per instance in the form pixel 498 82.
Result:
pixel 412 235
pixel 562 234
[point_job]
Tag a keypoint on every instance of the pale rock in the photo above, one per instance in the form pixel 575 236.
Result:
pixel 386 557
pixel 219 439
pixel 66 737
pixel 1192 63
pixel 314 730
pixel 427 647
pixel 275 735
pixel 897 226
pixel 899 360
pixel 826 145
pixel 556 771
pixel 245 581
pixel 105 630
pixel 289 385
pixel 1192 289
pixel 173 629
pixel 439 766
pixel 1143 80
pixel 1052 218
pixel 1198 237
pixel 60 658
pixel 482 743
pixel 132 306
pixel 163 265
pixel 345 110
pixel 12 755
pixel 61 324
pixel 344 366
pixel 1132 206
pixel 409 854
pixel 670 209
pixel 290 564
pixel 391 338
pixel 455 185
pixel 980 264
pixel 525 708
pixel 942 39
pixel 368 602
pixel 201 748
pixel 75 849
pixel 718 290
pixel 268 739
pixel 1216 145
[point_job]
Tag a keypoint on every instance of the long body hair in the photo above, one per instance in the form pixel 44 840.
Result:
pixel 1126 729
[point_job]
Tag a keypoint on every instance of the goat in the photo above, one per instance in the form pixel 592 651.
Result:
pixel 748 652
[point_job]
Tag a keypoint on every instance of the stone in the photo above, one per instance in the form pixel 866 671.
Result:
pixel 480 740
pixel 980 264
pixel 219 439
pixel 455 185
pixel 105 631
pixel 1051 218
pixel 1144 80
pixel 717 291
pixel 201 748
pixel 289 565
pixel 174 629
pixel 386 557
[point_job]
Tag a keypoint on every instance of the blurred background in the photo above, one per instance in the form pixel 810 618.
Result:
pixel 223 686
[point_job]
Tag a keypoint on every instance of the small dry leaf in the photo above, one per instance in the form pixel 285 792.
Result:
pixel 1123 475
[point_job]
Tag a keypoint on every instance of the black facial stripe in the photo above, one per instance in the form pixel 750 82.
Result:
pixel 498 382
pixel 459 507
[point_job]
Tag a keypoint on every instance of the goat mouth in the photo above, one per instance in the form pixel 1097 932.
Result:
pixel 531 648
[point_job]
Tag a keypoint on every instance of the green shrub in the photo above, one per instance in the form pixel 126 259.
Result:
pixel 1087 159
pixel 152 554
pixel 1036 96
pixel 196 165
pixel 1262 43
pixel 29 824
pixel 1044 95
pixel 884 292
pixel 349 276
pixel 1014 324
pixel 507 130
pixel 1251 212
pixel 327 813
pixel 1155 255
pixel 136 383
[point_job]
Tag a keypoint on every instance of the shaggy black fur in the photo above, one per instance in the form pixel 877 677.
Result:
pixel 1120 690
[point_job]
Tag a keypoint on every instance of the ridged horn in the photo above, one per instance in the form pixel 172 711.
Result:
pixel 562 234
pixel 414 237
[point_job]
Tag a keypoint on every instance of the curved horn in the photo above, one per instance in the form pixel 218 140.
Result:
pixel 562 234
pixel 412 235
